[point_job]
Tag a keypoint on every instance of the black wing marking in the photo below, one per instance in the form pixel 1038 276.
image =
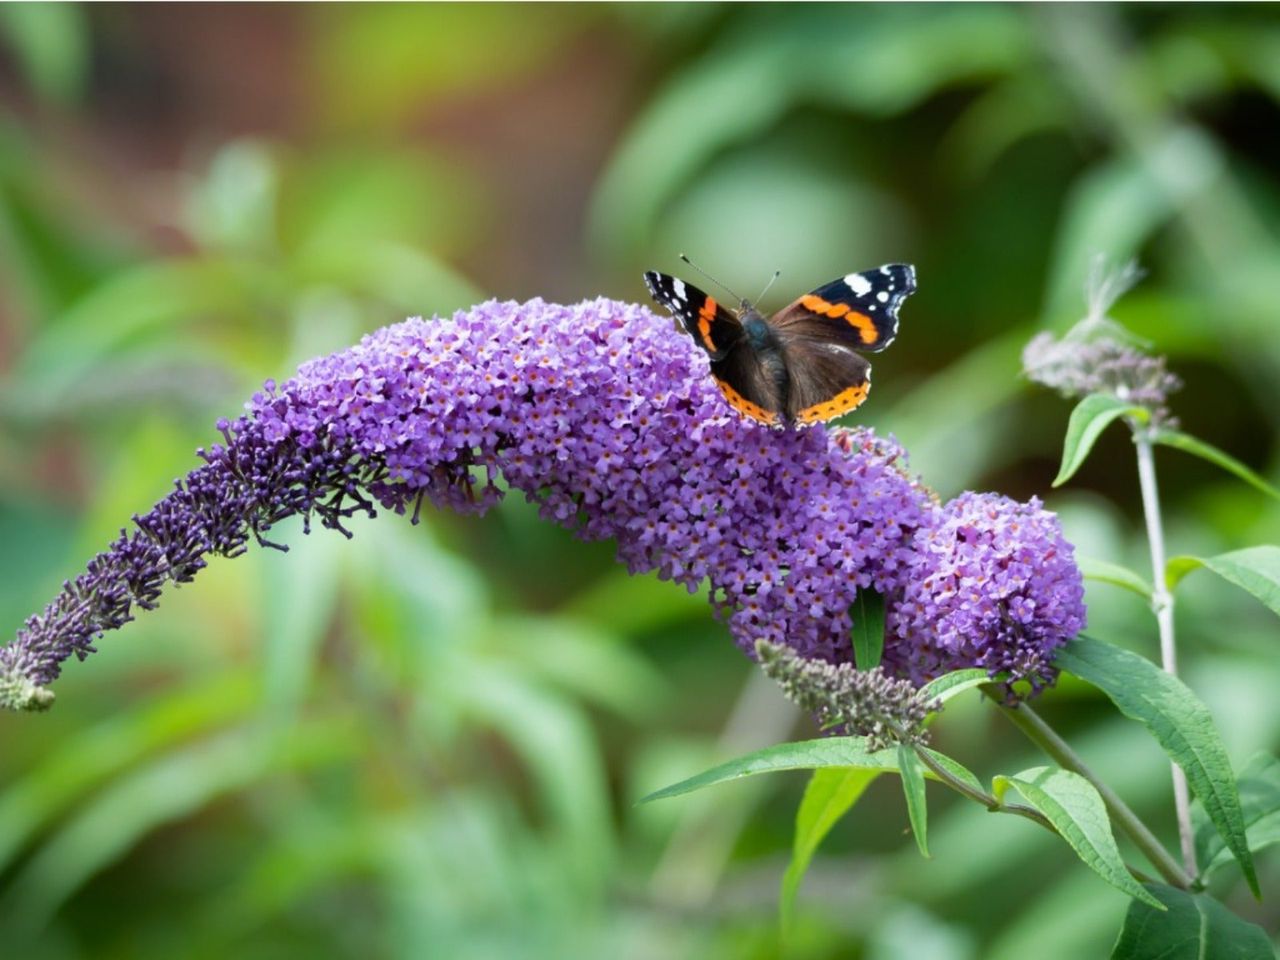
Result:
pixel 860 310
pixel 714 328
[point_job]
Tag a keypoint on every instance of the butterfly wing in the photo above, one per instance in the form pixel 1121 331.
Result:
pixel 714 328
pixel 821 333
pixel 825 380
pixel 753 383
pixel 860 310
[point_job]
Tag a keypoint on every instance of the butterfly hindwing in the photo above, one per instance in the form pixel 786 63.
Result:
pixel 753 383
pixel 825 379
pixel 859 310
pixel 714 328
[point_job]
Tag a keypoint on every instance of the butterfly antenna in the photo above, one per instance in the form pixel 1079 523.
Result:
pixel 710 277
pixel 776 275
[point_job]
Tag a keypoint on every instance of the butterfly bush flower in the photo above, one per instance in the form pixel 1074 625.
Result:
pixel 601 413
pixel 993 584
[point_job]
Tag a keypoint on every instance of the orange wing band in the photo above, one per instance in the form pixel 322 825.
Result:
pixel 842 402
pixel 705 316
pixel 745 406
pixel 866 329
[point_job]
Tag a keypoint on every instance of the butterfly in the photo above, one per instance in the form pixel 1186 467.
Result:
pixel 804 363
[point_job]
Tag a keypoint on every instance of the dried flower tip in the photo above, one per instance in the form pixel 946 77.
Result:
pixel 1098 355
pixel 1103 288
pixel 865 703
pixel 18 692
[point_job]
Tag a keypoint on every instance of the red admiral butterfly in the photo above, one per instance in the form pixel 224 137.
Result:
pixel 799 365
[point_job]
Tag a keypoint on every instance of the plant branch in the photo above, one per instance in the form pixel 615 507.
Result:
pixel 1047 739
pixel 1162 605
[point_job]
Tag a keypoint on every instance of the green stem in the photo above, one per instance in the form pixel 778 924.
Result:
pixel 990 801
pixel 1162 605
pixel 1047 739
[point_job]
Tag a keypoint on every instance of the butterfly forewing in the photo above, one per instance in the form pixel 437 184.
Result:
pixel 714 328
pixel 859 310
pixel 752 383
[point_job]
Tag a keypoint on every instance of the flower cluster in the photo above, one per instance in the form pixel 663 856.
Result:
pixel 1103 365
pixel 1098 356
pixel 601 412
pixel 993 584
pixel 849 701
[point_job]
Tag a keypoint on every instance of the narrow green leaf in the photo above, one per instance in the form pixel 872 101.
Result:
pixel 953 767
pixel 1088 420
pixel 913 789
pixel 1076 810
pixel 868 629
pixel 800 755
pixel 952 684
pixel 1176 568
pixel 1191 927
pixel 1105 572
pixel 1259 786
pixel 1189 444
pixel 1180 723
pixel 831 793
pixel 850 752
pixel 1256 569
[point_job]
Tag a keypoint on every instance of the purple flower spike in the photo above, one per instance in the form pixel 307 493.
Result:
pixel 993 584
pixel 602 413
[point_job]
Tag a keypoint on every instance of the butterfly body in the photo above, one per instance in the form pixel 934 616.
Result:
pixel 804 363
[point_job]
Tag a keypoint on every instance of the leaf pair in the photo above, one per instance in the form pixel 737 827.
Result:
pixel 843 769
pixel 1098 410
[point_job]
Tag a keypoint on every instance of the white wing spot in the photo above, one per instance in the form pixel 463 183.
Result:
pixel 677 285
pixel 885 270
pixel 882 296
pixel 859 284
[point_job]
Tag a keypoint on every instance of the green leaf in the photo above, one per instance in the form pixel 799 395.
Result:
pixel 800 755
pixel 913 790
pixel 849 752
pixel 1259 786
pixel 1180 723
pixel 831 793
pixel 1113 573
pixel 1189 444
pixel 1088 420
pixel 952 684
pixel 1192 927
pixel 1256 569
pixel 868 628
pixel 1076 810
pixel 953 767
pixel 1176 568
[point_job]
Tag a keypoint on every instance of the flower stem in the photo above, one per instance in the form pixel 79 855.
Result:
pixel 1162 604
pixel 990 801
pixel 1047 739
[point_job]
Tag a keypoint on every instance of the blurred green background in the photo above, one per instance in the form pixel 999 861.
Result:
pixel 427 742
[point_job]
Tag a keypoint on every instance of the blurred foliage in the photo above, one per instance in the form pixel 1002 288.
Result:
pixel 426 742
